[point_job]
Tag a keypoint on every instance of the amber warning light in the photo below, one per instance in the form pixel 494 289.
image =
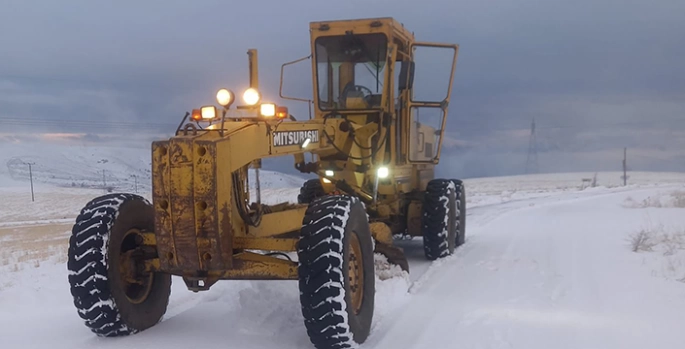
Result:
pixel 281 112
pixel 196 115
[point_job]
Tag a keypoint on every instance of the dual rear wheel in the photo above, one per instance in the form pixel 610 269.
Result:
pixel 443 218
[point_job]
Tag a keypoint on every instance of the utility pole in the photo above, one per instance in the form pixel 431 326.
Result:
pixel 31 179
pixel 135 179
pixel 625 167
pixel 104 182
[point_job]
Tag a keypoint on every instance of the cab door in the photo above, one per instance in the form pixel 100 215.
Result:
pixel 429 78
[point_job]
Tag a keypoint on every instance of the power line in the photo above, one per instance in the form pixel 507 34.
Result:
pixel 34 122
pixel 105 82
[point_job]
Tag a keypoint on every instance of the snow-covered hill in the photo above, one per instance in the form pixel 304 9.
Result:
pixel 121 166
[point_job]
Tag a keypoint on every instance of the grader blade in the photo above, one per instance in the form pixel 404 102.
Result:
pixel 384 245
pixel 394 254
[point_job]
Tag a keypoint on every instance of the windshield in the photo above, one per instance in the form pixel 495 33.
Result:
pixel 350 70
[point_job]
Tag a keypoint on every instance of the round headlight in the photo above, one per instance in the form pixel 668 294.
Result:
pixel 382 172
pixel 251 96
pixel 224 97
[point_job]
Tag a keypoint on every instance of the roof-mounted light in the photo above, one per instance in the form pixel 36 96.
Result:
pixel 281 112
pixel 225 97
pixel 206 113
pixel 251 96
pixel 267 110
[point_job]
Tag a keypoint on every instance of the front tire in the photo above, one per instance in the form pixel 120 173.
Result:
pixel 336 272
pixel 109 300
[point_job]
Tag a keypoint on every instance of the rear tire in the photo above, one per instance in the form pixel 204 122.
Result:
pixel 461 207
pixel 310 190
pixel 336 272
pixel 110 305
pixel 439 220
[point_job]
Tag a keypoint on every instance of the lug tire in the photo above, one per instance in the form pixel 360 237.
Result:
pixel 93 265
pixel 461 207
pixel 439 219
pixel 310 190
pixel 330 225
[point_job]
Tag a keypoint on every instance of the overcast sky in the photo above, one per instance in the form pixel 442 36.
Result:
pixel 597 75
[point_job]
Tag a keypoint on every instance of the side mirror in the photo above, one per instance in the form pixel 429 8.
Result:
pixel 406 75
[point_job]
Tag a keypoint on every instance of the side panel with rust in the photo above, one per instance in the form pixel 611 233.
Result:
pixel 192 228
pixel 214 244
pixel 178 179
pixel 161 199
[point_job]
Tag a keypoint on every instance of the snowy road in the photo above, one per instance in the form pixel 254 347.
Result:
pixel 551 271
pixel 549 275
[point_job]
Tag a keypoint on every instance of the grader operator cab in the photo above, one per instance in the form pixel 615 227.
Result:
pixel 374 157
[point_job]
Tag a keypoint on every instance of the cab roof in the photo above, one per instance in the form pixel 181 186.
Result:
pixel 388 25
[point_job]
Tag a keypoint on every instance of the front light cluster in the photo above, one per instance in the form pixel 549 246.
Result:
pixel 226 97
pixel 251 97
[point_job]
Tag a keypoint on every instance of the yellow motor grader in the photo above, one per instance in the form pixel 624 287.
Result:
pixel 373 148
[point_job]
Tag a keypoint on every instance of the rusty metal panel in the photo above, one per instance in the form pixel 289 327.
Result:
pixel 182 204
pixel 214 252
pixel 226 223
pixel 161 199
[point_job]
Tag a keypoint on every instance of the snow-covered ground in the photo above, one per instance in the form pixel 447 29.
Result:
pixel 556 272
pixel 545 265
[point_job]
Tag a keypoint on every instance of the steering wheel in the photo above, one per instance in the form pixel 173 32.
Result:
pixel 357 88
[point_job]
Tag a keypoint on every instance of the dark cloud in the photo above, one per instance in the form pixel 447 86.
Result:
pixel 594 74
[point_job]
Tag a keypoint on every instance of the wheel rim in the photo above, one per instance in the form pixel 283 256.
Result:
pixel 137 282
pixel 356 273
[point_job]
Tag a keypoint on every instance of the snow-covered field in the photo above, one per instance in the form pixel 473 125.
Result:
pixel 78 163
pixel 545 265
